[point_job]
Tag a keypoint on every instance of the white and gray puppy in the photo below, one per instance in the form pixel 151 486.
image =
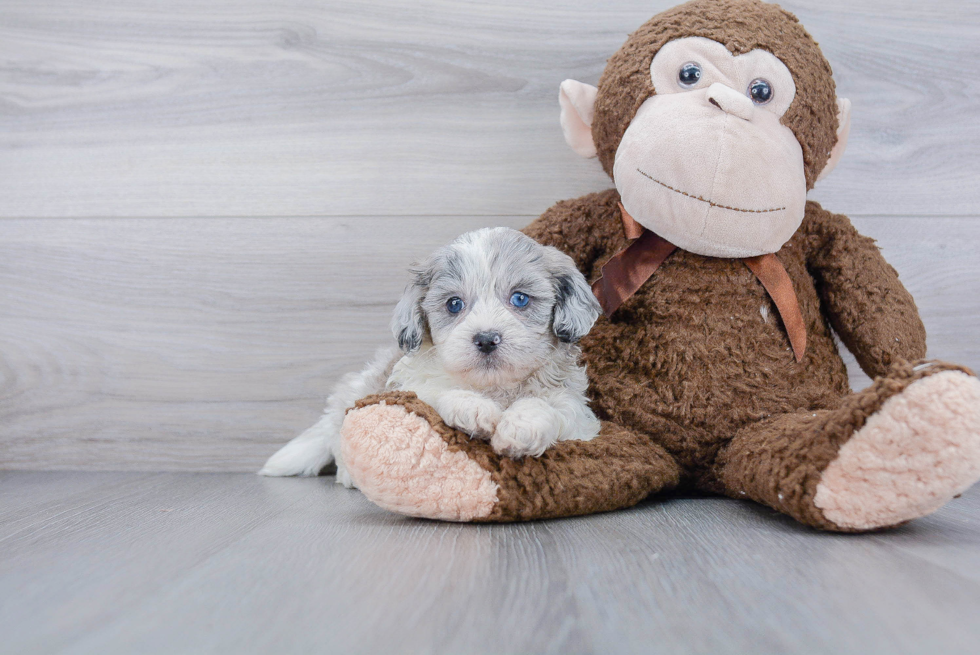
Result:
pixel 487 332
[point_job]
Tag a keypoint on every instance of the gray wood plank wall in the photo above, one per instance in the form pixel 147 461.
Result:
pixel 206 209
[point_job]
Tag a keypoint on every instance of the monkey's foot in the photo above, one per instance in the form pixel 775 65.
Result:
pixel 404 463
pixel 919 450
pixel 403 457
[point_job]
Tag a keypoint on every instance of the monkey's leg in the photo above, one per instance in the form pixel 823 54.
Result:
pixel 895 451
pixel 404 458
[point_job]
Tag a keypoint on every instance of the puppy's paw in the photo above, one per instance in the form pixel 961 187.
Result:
pixel 528 427
pixel 470 412
pixel 343 475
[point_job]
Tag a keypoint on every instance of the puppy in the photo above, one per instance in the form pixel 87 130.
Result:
pixel 487 335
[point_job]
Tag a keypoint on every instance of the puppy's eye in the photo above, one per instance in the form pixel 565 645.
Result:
pixel 689 75
pixel 519 299
pixel 760 91
pixel 455 305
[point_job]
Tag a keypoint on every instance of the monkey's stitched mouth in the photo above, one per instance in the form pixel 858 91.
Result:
pixel 711 203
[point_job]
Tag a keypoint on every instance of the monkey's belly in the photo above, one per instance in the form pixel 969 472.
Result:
pixel 706 348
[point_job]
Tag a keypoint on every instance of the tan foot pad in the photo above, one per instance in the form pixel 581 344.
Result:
pixel 911 457
pixel 402 464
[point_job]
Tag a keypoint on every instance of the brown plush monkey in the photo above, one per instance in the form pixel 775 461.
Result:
pixel 716 367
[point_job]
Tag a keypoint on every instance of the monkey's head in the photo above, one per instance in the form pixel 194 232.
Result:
pixel 714 120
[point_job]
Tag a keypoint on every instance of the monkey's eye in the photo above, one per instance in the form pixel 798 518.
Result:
pixel 760 91
pixel 519 299
pixel 455 305
pixel 689 75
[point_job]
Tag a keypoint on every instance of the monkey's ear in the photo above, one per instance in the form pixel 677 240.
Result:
pixel 843 130
pixel 577 102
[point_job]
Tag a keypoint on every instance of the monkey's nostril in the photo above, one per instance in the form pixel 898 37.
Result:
pixel 730 101
pixel 486 342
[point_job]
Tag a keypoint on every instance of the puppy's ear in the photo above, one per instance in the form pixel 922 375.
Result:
pixel 576 307
pixel 408 322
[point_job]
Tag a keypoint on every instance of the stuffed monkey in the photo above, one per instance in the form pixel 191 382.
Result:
pixel 715 367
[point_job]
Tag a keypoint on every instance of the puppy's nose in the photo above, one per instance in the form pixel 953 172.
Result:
pixel 487 341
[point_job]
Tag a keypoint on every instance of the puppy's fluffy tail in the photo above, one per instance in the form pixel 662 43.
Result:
pixel 318 446
pixel 308 453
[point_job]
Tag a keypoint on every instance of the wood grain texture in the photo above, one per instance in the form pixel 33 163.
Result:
pixel 216 563
pixel 298 108
pixel 203 344
pixel 205 333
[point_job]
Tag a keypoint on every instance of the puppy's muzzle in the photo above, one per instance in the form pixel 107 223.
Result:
pixel 486 342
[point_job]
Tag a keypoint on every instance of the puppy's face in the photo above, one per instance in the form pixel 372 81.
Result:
pixel 495 303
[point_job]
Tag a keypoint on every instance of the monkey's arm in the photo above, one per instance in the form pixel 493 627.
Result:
pixel 586 228
pixel 868 307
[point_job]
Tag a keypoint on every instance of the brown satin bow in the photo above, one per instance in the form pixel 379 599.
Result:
pixel 626 271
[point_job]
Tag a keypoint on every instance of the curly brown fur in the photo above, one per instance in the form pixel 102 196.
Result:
pixel 701 343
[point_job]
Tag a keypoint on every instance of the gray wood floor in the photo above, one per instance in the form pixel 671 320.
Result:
pixel 218 563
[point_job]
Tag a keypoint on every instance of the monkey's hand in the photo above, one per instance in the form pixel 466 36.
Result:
pixel 528 427
pixel 468 411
